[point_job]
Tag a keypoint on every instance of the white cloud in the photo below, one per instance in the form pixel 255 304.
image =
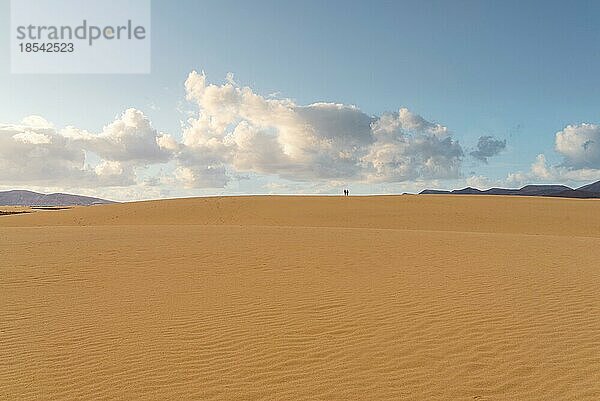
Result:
pixel 34 152
pixel 36 122
pixel 38 154
pixel 479 181
pixel 32 137
pixel 235 132
pixel 114 171
pixel 406 147
pixel 579 145
pixel 201 176
pixel 541 171
pixel 130 138
pixel 240 130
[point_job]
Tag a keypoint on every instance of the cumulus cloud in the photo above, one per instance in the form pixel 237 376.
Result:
pixel 479 181
pixel 488 146
pixel 406 147
pixel 541 171
pixel 235 132
pixel 580 146
pixel 130 138
pixel 34 152
pixel 201 176
pixel 239 130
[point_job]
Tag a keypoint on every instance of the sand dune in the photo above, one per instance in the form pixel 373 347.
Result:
pixel 303 298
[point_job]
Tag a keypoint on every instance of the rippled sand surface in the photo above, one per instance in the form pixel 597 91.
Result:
pixel 303 298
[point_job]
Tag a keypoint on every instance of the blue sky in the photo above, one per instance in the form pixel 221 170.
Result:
pixel 513 70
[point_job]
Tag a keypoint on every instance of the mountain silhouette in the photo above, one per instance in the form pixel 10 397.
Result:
pixel 29 198
pixel 558 191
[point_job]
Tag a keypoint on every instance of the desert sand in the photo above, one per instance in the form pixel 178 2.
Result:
pixel 303 298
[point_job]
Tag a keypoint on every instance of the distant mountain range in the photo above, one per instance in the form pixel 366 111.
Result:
pixel 558 191
pixel 29 198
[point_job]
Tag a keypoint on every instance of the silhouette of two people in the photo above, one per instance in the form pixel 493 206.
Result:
pixel 346 192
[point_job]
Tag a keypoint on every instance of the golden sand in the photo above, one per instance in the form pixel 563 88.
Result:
pixel 303 298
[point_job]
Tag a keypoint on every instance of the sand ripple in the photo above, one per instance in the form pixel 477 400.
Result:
pixel 222 312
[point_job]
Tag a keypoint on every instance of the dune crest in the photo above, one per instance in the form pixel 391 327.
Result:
pixel 497 214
